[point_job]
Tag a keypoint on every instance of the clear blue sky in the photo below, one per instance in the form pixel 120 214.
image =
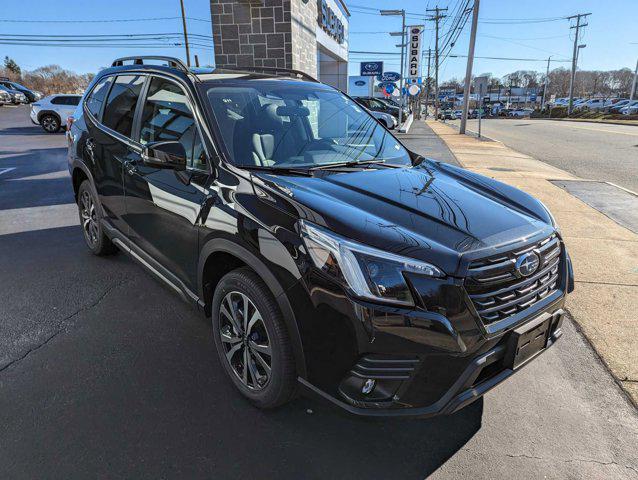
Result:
pixel 612 28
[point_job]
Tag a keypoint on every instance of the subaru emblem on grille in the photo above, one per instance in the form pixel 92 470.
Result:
pixel 527 264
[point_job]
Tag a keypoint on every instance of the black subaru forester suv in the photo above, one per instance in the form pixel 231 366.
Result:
pixel 329 257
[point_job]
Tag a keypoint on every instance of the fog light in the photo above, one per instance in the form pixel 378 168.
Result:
pixel 368 386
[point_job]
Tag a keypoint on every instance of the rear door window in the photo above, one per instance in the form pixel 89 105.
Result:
pixel 96 99
pixel 120 105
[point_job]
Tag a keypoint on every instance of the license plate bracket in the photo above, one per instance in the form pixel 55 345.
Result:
pixel 527 341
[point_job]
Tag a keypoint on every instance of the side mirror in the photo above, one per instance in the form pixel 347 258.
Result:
pixel 165 155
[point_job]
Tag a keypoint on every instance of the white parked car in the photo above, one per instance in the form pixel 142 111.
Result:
pixel 5 98
pixel 594 104
pixel 51 112
pixel 385 118
pixel 520 112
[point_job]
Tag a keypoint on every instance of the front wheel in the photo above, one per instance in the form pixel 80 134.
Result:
pixel 251 339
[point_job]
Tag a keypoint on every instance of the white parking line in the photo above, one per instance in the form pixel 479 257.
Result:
pixel 18 220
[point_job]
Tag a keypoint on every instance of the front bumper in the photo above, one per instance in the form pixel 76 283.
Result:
pixel 482 372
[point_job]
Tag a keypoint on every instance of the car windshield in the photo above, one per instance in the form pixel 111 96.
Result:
pixel 288 124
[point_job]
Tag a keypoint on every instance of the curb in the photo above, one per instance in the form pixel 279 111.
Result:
pixel 405 128
pixel 632 123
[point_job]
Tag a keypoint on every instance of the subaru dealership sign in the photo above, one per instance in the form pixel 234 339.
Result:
pixel 414 52
pixel 371 69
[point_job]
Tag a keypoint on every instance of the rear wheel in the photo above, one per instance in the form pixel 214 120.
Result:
pixel 95 238
pixel 50 123
pixel 251 339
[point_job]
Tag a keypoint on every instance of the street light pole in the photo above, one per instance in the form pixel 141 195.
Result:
pixel 633 85
pixel 468 69
pixel 397 13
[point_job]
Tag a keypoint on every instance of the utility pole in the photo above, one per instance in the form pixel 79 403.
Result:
pixel 633 85
pixel 188 55
pixel 578 26
pixel 437 16
pixel 546 83
pixel 468 69
pixel 400 13
pixel 427 84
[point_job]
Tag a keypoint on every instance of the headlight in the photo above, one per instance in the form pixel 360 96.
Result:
pixel 368 272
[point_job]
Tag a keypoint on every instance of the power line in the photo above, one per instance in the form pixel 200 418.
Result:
pixel 510 58
pixel 112 20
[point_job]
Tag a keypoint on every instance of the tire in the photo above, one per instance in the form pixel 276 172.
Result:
pixel 89 212
pixel 50 123
pixel 267 333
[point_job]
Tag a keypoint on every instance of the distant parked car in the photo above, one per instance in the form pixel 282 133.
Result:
pixel 621 106
pixel 520 112
pixel 378 105
pixel 616 107
pixel 17 97
pixel 385 118
pixel 631 109
pixel 5 98
pixel 52 111
pixel 446 115
pixel 32 96
pixel 595 104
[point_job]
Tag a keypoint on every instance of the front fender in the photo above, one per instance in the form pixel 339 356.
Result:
pixel 253 261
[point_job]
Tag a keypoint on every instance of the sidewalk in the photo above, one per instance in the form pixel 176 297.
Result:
pixel 605 301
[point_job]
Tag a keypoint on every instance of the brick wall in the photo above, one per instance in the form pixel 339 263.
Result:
pixel 252 33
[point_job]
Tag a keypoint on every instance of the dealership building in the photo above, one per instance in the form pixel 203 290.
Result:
pixel 306 35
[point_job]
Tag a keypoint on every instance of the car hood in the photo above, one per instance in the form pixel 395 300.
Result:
pixel 434 212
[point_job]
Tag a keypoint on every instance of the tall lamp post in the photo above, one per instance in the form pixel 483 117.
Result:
pixel 397 13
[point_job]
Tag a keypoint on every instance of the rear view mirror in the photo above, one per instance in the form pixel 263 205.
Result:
pixel 165 155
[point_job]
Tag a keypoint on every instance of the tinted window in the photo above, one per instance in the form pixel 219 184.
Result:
pixel 95 101
pixel 167 117
pixel 120 105
pixel 62 100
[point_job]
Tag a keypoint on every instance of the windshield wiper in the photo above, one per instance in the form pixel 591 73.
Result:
pixel 351 163
pixel 277 170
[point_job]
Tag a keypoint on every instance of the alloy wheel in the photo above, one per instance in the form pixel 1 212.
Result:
pixel 245 340
pixel 49 124
pixel 89 218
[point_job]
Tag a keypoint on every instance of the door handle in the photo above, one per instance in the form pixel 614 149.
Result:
pixel 130 167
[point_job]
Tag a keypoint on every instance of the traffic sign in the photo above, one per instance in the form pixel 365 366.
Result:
pixel 414 89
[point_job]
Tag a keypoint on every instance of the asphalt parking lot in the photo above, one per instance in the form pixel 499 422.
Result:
pixel 105 373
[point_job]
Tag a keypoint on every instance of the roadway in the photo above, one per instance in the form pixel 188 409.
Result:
pixel 593 151
pixel 105 373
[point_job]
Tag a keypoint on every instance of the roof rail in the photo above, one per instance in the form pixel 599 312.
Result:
pixel 273 71
pixel 139 60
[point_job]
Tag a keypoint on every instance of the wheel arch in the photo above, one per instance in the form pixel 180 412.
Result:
pixel 218 257
pixel 43 113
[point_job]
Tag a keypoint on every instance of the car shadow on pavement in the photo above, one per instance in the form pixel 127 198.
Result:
pixel 125 383
pixel 30 131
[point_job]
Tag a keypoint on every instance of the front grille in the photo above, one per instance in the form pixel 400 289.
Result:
pixel 498 291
